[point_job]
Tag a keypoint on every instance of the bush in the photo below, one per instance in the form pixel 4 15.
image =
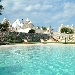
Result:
pixel 31 31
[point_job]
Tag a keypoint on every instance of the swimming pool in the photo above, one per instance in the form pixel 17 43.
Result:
pixel 37 60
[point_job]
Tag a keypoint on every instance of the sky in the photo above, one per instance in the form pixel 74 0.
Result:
pixel 41 12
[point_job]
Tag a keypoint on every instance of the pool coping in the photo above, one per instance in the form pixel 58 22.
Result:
pixel 38 44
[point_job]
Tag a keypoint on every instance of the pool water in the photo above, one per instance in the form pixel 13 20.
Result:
pixel 37 60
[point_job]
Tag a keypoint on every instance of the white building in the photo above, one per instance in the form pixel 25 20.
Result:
pixel 18 26
pixel 5 21
pixel 27 25
pixel 72 27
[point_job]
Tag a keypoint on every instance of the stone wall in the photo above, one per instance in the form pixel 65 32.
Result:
pixel 18 37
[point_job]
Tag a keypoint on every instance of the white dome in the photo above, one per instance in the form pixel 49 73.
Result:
pixel 67 26
pixel 72 25
pixel 17 23
pixel 4 20
pixel 62 25
pixel 27 19
pixel 48 28
pixel 29 22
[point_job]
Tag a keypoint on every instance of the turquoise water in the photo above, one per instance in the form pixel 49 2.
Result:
pixel 37 60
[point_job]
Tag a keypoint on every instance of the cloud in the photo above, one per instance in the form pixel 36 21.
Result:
pixel 37 7
pixel 45 7
pixel 22 6
pixel 39 11
pixel 57 16
pixel 28 8
pixel 62 21
pixel 27 5
pixel 69 9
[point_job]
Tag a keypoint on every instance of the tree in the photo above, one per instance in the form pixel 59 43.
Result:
pixel 1 7
pixel 67 30
pixel 44 28
pixel 4 27
pixel 31 31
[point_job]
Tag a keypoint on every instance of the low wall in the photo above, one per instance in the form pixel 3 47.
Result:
pixel 18 37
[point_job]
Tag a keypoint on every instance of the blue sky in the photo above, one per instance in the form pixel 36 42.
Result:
pixel 40 12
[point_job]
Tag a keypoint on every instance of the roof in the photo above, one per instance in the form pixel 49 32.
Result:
pixel 27 24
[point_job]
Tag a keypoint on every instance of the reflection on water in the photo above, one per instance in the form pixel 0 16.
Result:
pixel 37 60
